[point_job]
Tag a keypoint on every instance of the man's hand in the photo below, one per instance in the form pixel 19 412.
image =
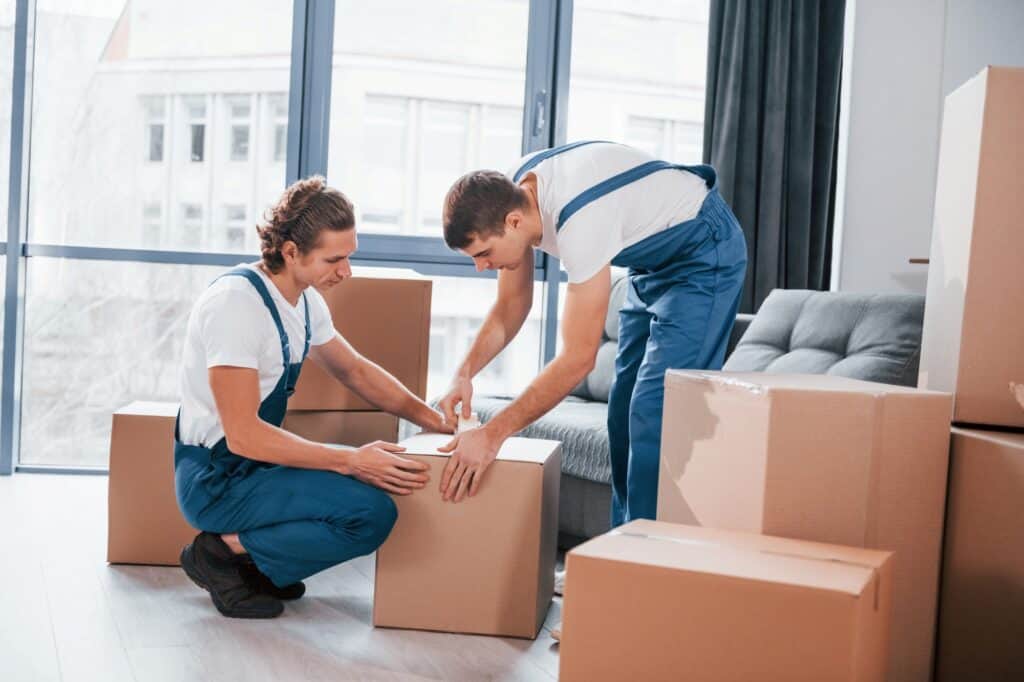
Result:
pixel 472 452
pixel 438 423
pixel 460 391
pixel 377 464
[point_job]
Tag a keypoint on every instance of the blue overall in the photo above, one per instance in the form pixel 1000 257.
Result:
pixel 684 290
pixel 293 522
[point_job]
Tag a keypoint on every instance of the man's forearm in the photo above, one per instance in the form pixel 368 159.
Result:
pixel 552 385
pixel 267 443
pixel 495 333
pixel 379 388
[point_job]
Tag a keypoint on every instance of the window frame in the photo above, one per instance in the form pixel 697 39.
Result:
pixel 308 105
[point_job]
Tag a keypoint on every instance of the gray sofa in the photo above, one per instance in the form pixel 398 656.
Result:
pixel 861 336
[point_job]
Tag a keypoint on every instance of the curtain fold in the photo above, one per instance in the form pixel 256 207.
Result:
pixel 771 129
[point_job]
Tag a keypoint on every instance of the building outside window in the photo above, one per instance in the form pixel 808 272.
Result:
pixel 155 108
pixel 278 104
pixel 195 112
pixel 191 225
pixel 234 227
pixel 672 140
pixel 152 224
pixel 239 124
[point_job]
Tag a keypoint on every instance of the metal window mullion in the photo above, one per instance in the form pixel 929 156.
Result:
pixel 17 217
pixel 309 103
pixel 545 103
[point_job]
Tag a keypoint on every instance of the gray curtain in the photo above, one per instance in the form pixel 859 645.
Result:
pixel 770 128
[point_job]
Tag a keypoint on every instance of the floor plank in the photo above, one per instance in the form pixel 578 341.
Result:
pixel 73 617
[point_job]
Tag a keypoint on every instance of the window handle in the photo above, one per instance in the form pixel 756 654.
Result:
pixel 539 110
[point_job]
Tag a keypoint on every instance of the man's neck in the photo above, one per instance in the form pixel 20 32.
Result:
pixel 287 285
pixel 529 185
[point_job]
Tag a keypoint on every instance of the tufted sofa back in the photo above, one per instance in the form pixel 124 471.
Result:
pixel 874 337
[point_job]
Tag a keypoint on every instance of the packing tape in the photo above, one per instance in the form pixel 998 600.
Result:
pixel 1018 392
pixel 875 576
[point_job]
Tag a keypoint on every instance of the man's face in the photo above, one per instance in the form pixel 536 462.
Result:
pixel 327 263
pixel 498 252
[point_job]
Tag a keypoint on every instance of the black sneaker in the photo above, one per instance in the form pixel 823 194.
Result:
pixel 214 567
pixel 264 585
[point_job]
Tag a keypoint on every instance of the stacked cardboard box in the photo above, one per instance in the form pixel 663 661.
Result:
pixel 661 601
pixel 818 458
pixel 973 346
pixel 384 314
pixel 144 524
pixel 484 565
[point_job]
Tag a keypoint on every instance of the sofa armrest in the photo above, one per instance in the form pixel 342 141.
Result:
pixel 738 329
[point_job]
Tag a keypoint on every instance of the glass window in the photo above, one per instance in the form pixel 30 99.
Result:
pixel 151 92
pixel 156 120
pixel 126 323
pixel 637 74
pixel 7 8
pixel 235 227
pixel 679 141
pixel 239 113
pixel 152 224
pixel 191 231
pixel 415 104
pixel 278 105
pixel 458 307
pixel 386 164
pixel 240 143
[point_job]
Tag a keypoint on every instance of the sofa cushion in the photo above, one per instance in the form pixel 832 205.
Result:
pixel 581 425
pixel 874 337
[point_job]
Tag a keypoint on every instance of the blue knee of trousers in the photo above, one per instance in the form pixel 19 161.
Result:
pixel 373 522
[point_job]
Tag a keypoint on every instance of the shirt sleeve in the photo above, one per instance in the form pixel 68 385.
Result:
pixel 321 326
pixel 585 246
pixel 233 329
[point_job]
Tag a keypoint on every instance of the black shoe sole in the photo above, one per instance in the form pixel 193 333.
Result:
pixel 195 575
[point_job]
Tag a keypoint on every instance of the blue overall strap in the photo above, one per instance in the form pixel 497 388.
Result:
pixel 548 153
pixel 622 179
pixel 261 289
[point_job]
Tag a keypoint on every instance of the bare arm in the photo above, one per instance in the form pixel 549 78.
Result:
pixel 505 319
pixel 236 393
pixel 586 306
pixel 503 322
pixel 373 384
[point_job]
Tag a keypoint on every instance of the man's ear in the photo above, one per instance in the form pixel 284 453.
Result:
pixel 289 250
pixel 513 219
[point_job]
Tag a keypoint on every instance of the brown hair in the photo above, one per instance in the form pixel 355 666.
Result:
pixel 306 207
pixel 476 206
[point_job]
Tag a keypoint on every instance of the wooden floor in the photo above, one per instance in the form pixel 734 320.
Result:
pixel 66 615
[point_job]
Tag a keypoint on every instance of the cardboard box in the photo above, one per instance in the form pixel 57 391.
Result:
pixel 484 565
pixel 981 613
pixel 385 315
pixel 144 524
pixel 343 428
pixel 660 601
pixel 820 458
pixel 973 327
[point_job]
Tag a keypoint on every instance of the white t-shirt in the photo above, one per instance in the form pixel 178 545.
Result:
pixel 596 233
pixel 230 325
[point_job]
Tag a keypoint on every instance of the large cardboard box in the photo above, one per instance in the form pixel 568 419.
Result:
pixel 981 613
pixel 385 315
pixel 973 326
pixel 343 428
pixel 821 458
pixel 144 524
pixel 659 601
pixel 484 565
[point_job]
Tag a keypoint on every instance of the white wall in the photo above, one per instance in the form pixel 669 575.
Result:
pixel 905 56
